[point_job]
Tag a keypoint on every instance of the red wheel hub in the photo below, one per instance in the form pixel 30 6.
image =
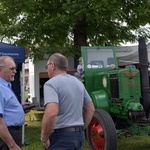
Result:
pixel 96 135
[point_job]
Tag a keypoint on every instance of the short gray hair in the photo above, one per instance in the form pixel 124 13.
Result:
pixel 3 60
pixel 59 60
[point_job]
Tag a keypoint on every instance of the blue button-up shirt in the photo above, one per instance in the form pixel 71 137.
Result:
pixel 10 108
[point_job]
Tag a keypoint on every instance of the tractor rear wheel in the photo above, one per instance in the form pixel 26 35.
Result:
pixel 101 132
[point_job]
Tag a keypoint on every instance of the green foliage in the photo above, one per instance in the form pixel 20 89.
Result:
pixel 47 26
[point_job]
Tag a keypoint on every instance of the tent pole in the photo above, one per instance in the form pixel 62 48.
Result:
pixel 22 98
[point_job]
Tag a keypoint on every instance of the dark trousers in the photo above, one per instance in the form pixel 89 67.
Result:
pixel 66 140
pixel 17 136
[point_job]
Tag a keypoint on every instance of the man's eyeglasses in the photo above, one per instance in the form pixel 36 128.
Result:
pixel 12 68
pixel 46 67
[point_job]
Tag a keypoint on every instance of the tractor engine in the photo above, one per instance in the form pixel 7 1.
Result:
pixel 125 94
pixel 119 93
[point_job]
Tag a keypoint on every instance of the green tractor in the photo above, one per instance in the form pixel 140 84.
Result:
pixel 120 95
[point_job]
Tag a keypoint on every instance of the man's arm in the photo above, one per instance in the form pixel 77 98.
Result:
pixel 88 111
pixel 48 121
pixel 6 136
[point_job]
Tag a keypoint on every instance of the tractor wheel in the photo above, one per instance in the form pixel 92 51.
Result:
pixel 101 132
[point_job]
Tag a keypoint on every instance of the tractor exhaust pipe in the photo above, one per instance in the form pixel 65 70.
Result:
pixel 143 62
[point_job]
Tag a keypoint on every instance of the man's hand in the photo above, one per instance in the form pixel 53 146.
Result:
pixel 15 147
pixel 46 144
pixel 27 107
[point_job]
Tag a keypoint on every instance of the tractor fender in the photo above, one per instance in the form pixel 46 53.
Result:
pixel 100 100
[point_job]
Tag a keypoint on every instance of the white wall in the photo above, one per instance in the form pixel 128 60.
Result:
pixel 31 80
pixel 34 71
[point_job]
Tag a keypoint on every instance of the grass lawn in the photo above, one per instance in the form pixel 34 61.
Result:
pixel 33 128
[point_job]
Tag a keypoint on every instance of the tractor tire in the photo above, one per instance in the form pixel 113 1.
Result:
pixel 101 132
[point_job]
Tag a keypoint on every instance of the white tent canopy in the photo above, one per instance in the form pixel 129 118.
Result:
pixel 127 55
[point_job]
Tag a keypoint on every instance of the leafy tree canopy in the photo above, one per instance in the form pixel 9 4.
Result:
pixel 47 26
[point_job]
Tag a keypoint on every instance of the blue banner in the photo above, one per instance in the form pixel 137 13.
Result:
pixel 16 52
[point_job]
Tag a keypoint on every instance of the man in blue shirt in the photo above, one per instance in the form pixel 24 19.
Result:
pixel 11 111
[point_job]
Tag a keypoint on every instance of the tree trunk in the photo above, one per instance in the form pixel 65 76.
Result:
pixel 80 38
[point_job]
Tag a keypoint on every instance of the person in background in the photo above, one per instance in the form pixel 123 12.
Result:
pixel 68 107
pixel 11 111
pixel 80 67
